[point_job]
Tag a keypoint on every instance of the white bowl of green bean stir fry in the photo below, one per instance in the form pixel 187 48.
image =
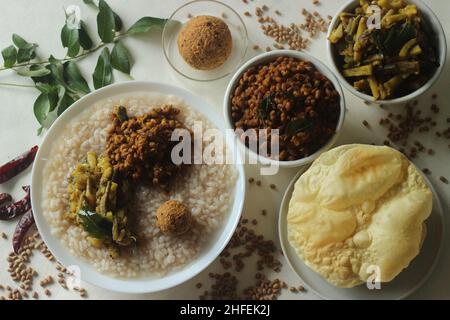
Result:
pixel 387 51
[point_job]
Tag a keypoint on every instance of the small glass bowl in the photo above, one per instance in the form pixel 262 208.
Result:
pixel 212 8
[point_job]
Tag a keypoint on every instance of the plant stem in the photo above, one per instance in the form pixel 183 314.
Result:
pixel 7 84
pixel 79 56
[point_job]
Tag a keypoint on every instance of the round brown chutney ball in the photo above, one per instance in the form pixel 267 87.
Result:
pixel 173 217
pixel 205 42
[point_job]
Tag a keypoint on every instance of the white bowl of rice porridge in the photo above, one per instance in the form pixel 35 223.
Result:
pixel 213 192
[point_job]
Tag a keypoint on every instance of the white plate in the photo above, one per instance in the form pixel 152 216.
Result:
pixel 408 281
pixel 144 284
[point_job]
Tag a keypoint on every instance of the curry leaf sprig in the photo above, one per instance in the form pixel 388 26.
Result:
pixel 60 81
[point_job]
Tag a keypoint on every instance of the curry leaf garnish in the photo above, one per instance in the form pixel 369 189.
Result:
pixel 9 56
pixel 145 24
pixel 397 37
pixel 26 51
pixel 95 224
pixel 43 105
pixel 106 23
pixel 265 107
pixel 90 3
pixel 120 58
pixel 103 71
pixel 74 79
pixel 85 40
pixel 19 41
pixel 37 71
pixel 298 125
pixel 59 80
pixel 70 39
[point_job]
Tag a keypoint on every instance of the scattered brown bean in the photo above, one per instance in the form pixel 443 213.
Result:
pixel 443 179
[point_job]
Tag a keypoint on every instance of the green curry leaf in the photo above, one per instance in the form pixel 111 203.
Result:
pixel 145 24
pixel 298 125
pixel 103 71
pixel 106 22
pixel 74 78
pixel 9 55
pixel 120 58
pixel 95 225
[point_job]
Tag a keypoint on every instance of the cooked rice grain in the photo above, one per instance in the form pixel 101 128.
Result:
pixel 206 189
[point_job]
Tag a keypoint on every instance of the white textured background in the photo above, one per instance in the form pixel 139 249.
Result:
pixel 40 21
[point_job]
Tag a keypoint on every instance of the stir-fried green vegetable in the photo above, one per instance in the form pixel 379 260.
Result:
pixel 93 202
pixel 390 61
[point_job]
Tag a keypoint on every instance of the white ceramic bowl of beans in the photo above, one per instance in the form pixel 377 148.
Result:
pixel 441 44
pixel 267 57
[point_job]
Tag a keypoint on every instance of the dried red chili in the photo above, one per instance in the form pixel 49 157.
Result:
pixel 25 223
pixel 17 208
pixel 5 198
pixel 17 165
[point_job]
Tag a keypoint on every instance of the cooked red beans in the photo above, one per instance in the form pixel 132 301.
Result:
pixel 290 95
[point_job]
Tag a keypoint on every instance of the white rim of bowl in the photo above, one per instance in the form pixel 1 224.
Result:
pixel 118 283
pixel 437 26
pixel 322 68
pixel 165 49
